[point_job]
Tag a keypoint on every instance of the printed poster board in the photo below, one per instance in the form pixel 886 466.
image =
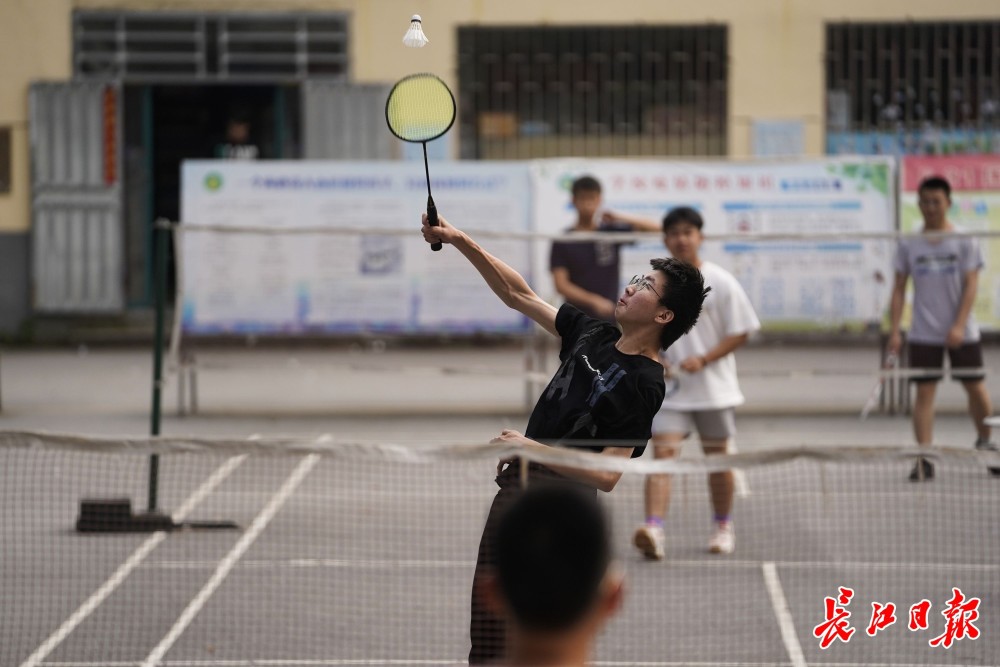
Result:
pixel 344 283
pixel 794 285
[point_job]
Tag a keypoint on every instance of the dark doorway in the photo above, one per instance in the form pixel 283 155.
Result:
pixel 167 124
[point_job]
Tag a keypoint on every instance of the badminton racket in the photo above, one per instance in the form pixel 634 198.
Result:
pixel 421 108
pixel 876 393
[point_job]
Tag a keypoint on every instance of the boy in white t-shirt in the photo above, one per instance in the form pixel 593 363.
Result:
pixel 702 388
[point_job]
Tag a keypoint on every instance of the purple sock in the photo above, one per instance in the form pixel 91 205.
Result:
pixel 721 520
pixel 654 521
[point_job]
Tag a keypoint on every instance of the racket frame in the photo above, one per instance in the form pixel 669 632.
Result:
pixel 432 214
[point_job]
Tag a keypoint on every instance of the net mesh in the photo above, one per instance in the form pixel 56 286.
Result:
pixel 353 553
pixel 420 108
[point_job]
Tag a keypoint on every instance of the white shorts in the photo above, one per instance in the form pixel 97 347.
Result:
pixel 710 424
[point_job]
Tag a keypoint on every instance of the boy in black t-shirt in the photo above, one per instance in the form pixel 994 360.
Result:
pixel 608 386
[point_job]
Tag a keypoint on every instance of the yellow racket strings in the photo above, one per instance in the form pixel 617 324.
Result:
pixel 420 108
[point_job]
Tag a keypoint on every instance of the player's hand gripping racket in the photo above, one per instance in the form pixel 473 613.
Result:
pixel 421 108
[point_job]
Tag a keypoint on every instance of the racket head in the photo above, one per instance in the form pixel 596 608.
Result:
pixel 420 108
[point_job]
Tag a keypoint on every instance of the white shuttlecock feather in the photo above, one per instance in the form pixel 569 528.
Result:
pixel 415 37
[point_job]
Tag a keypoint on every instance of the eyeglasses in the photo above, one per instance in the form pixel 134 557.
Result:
pixel 640 283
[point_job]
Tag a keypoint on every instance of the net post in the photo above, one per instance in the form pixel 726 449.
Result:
pixel 161 236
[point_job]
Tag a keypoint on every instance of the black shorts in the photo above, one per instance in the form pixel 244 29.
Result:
pixel 969 355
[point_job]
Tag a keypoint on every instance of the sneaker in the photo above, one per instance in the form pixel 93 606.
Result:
pixel 988 446
pixel 723 541
pixel 651 541
pixel 922 471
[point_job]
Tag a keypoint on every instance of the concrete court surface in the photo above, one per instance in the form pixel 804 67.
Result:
pixel 317 588
pixel 795 395
pixel 369 563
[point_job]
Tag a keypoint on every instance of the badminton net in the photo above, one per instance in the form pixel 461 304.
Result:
pixel 352 553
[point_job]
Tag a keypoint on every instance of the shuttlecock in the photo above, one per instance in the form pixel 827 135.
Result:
pixel 415 37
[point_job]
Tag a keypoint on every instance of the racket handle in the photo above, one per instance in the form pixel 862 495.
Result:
pixel 432 220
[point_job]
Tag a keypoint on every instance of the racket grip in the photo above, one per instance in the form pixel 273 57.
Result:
pixel 432 220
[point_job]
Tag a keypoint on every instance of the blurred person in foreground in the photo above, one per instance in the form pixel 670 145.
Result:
pixel 587 273
pixel 703 389
pixel 945 272
pixel 554 579
pixel 602 398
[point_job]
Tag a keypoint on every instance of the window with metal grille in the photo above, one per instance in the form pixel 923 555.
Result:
pixel 592 91
pixel 913 87
pixel 246 46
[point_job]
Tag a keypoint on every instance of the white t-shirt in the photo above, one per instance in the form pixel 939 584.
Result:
pixel 726 312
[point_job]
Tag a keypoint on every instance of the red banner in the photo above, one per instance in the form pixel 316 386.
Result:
pixel 110 136
pixel 973 173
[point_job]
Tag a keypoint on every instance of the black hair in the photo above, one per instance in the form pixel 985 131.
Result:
pixel 684 295
pixel 586 184
pixel 552 552
pixel 935 183
pixel 682 214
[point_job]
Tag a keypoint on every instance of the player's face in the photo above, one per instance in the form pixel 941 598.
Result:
pixel 683 240
pixel 586 202
pixel 641 298
pixel 934 205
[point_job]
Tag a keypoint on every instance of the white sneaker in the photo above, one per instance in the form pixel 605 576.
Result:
pixel 651 541
pixel 987 446
pixel 723 541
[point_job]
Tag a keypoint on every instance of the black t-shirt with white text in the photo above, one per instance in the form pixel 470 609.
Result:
pixel 598 392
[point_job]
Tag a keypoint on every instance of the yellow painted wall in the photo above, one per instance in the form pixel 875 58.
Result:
pixel 34 44
pixel 776 47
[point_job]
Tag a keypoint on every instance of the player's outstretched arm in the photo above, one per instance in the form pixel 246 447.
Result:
pixel 505 282
pixel 637 223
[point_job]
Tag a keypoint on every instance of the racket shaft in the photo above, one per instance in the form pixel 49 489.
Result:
pixel 873 396
pixel 432 219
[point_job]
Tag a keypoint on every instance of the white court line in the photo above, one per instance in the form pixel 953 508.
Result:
pixel 315 563
pixel 768 664
pixel 475 487
pixel 250 662
pixel 226 564
pixel 708 562
pixel 810 564
pixel 102 593
pixel 784 615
